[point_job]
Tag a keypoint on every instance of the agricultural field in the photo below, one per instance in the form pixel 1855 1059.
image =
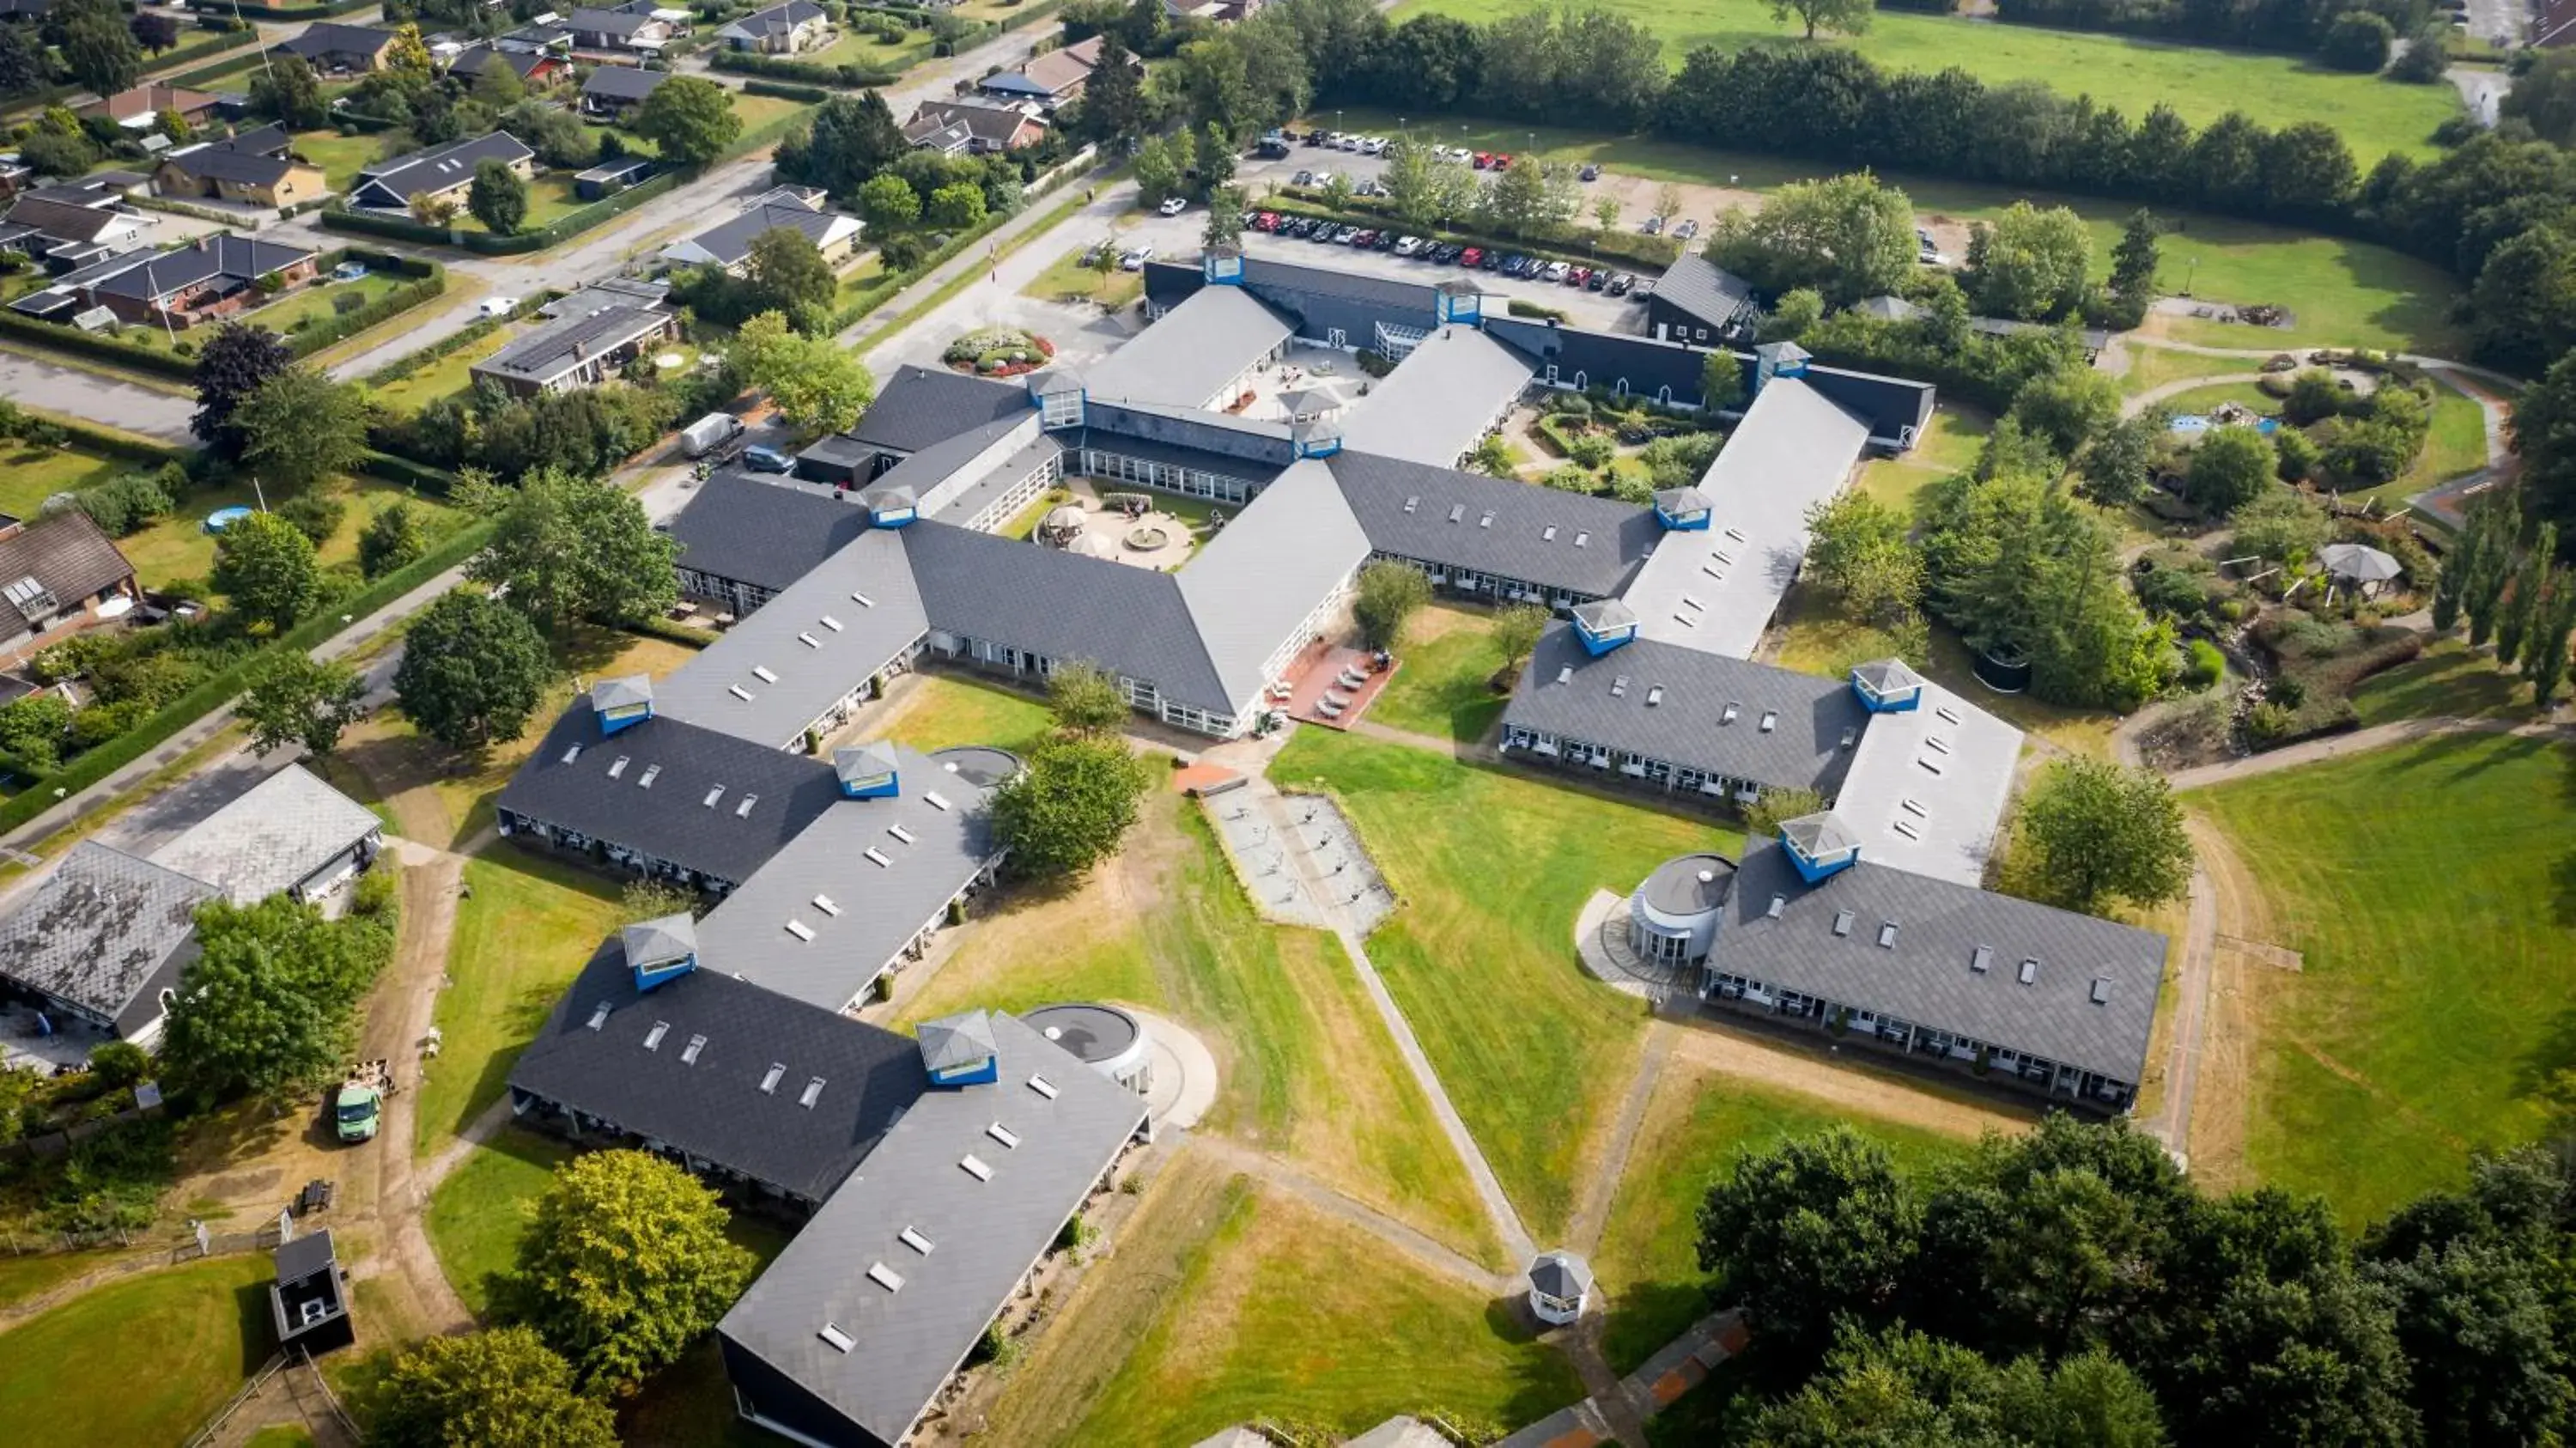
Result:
pixel 1492 868
pixel 206 1326
pixel 1306 1068
pixel 2426 1010
pixel 1443 680
pixel 2375 116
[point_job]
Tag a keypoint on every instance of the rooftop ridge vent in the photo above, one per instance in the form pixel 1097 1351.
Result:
pixel 1737 534
pixel 739 692
pixel 770 1078
pixel 885 1277
pixel 878 857
pixel 1486 521
pixel 599 1015
pixel 1936 743
pixel 713 795
pixel 1770 720
pixel 1913 806
pixel 840 1341
pixel 1691 603
pixel 934 799
pixel 763 674
pixel 1654 695
pixel 1619 687
pixel 799 929
pixel 1906 828
pixel 689 1052
pixel 831 623
pixel 900 833
pixel 1685 620
pixel 1727 714
pixel 914 1240
pixel 1948 715
pixel 824 904
pixel 1003 1134
pixel 975 1167
pixel 1043 1087
pixel 812 1093
pixel 1932 766
pixel 653 1037
pixel 1713 571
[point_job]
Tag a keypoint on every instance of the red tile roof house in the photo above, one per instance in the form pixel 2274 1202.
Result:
pixel 211 277
pixel 139 108
pixel 56 575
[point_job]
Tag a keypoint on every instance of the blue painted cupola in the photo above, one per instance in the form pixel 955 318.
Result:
pixel 1682 510
pixel 622 703
pixel 1819 845
pixel 867 771
pixel 1887 686
pixel 1315 437
pixel 1460 299
pixel 1604 624
pixel 660 950
pixel 1222 266
pixel 1059 396
pixel 891 507
pixel 1778 359
pixel 959 1050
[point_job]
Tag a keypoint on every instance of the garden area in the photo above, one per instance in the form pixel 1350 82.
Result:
pixel 998 352
pixel 1625 448
pixel 1492 868
pixel 2426 1019
pixel 1444 684
pixel 291 312
pixel 1075 277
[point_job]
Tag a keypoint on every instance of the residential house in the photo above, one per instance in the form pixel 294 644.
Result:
pixel 211 277
pixel 612 91
pixel 442 171
pixel 1051 79
pixel 100 941
pixel 789 29
pixel 333 48
pixel 1700 302
pixel 966 128
pixel 140 108
pixel 621 29
pixel 64 234
pixel 290 834
pixel 578 350
pixel 538 68
pixel 58 576
pixel 728 244
pixel 242 169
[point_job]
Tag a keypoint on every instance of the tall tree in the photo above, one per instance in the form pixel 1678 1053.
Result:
pixel 1859 549
pixel 1848 236
pixel 2134 262
pixel 299 700
pixel 299 427
pixel 97 45
pixel 285 90
pixel 2116 467
pixel 1113 101
pixel 232 365
pixel 789 274
pixel 1813 1230
pixel 850 139
pixel 473 671
pixel 690 120
pixel 1388 596
pixel 1516 633
pixel 2544 654
pixel 390 540
pixel 889 203
pixel 2230 467
pixel 572 547
pixel 1845 17
pixel 2028 263
pixel 1068 808
pixel 499 1388
pixel 2522 602
pixel 817 385
pixel 1085 698
pixel 2094 832
pixel 265 1007
pixel 264 565
pixel 497 198
pixel 625 1263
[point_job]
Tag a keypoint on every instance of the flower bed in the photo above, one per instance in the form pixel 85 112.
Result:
pixel 999 352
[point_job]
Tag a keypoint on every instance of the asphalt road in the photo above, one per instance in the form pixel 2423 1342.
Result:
pixel 77 392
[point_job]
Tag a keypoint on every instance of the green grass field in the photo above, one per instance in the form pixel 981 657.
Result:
pixel 340 157
pixel 1692 1132
pixel 2153 367
pixel 306 305
pixel 1068 278
pixel 24 1277
pixel 2431 889
pixel 2202 84
pixel 449 374
pixel 1443 681
pixel 523 932
pixel 1287 1315
pixel 478 1212
pixel 1307 1068
pixel 178 547
pixel 1492 869
pixel 2451 681
pixel 944 711
pixel 187 1336
pixel 29 476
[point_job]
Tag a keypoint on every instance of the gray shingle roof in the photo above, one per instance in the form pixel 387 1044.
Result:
pixel 1439 400
pixel 64 220
pixel 566 343
pixel 919 406
pixel 323 39
pixel 729 242
pixel 277 833
pixel 102 931
pixel 712 1107
pixel 1194 349
pixel 983 1235
pixel 930 854
pixel 1673 708
pixel 1927 975
pixel 149 275
pixel 623 83
pixel 1560 1274
pixel 1253 586
pixel 1276 282
pixel 1705 290
pixel 670 818
pixel 441 168
pixel 749 527
pixel 1129 620
pixel 1532 536
pixel 776 20
pixel 223 163
pixel 66 553
pixel 804 650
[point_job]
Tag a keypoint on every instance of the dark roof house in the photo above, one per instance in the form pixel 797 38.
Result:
pixel 104 937
pixel 390 185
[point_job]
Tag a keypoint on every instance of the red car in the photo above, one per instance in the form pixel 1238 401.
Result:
pixel 1471 257
pixel 1484 160
pixel 1578 276
pixel 1502 162
pixel 1267 221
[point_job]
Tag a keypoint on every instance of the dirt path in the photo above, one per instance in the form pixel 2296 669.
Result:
pixel 1845 1083
pixel 2222 1098
pixel 2360 741
pixel 2172 1122
pixel 1272 1171
pixel 1601 1189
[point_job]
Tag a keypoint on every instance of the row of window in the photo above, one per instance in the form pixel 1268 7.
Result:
pixel 1169 477
pixel 2032 1070
pixel 1633 766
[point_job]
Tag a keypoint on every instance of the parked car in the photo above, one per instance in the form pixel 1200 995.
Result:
pixel 1174 205
pixel 1266 221
pixel 1484 160
pixel 1369 187
pixel 1322 180
pixel 1600 278
pixel 1407 245
pixel 1445 253
pixel 1349 142
pixel 1493 261
pixel 1654 226
pixel 1302 178
pixel 1619 284
pixel 496 306
pixel 1373 145
pixel 1385 241
pixel 1136 258
pixel 1471 257
pixel 1578 276
pixel 1556 271
pixel 1363 238
pixel 1687 229
pixel 1590 172
pixel 1502 161
pixel 767 460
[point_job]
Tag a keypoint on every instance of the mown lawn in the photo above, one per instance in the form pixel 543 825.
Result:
pixel 1492 869
pixel 310 304
pixel 478 1212
pixel 1069 279
pixel 1443 683
pixel 340 157
pixel 2343 293
pixel 2375 116
pixel 448 375
pixel 178 548
pixel 24 1277
pixel 943 711
pixel 185 1337
pixel 1695 1127
pixel 1284 1314
pixel 28 476
pixel 2431 890
pixel 2451 681
pixel 2153 367
pixel 1949 445
pixel 1306 1066
pixel 524 929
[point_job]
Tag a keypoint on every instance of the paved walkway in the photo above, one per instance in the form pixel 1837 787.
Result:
pixel 1683 1364
pixel 2359 741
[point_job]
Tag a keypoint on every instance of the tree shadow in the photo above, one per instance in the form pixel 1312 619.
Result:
pixel 2554 1054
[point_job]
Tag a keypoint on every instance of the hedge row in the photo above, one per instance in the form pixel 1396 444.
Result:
pixel 54 336
pixel 806 94
pixel 456 341
pixel 341 325
pixel 805 72
pixel 219 689
pixel 1657 252
pixel 396 469
pixel 132 447
pixel 222 40
pixel 886 289
pixel 671 633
